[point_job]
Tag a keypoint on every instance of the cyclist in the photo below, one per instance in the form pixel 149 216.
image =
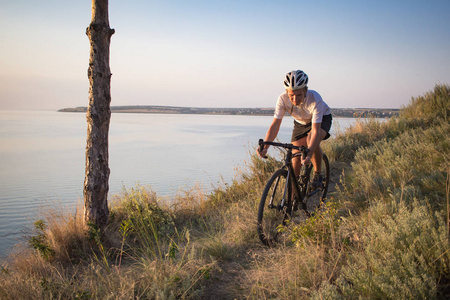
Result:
pixel 312 121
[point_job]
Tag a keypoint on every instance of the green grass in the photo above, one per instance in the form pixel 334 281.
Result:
pixel 383 235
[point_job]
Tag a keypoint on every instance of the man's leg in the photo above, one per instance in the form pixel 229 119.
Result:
pixel 296 161
pixel 316 157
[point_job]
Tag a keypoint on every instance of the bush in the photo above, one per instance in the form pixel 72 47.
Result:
pixel 143 224
pixel 431 108
pixel 405 253
pixel 416 160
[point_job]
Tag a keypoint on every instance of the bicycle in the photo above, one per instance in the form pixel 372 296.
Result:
pixel 286 194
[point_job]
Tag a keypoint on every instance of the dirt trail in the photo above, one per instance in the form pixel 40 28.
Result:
pixel 232 280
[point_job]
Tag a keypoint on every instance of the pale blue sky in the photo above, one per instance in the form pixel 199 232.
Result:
pixel 231 53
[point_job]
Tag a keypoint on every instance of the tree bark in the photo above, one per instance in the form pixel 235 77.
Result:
pixel 96 183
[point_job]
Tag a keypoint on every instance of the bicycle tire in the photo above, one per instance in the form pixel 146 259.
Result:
pixel 270 217
pixel 316 195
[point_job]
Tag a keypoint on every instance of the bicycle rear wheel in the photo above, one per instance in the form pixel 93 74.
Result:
pixel 271 217
pixel 315 194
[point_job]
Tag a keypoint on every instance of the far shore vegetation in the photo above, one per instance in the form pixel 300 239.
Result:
pixel 155 109
pixel 384 232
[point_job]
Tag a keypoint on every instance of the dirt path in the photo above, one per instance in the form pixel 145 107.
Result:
pixel 336 170
pixel 231 281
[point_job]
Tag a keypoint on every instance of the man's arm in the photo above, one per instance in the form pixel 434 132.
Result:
pixel 316 135
pixel 270 135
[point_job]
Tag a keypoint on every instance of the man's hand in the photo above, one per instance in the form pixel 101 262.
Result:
pixel 262 153
pixel 306 161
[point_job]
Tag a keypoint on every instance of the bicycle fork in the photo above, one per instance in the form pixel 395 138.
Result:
pixel 290 179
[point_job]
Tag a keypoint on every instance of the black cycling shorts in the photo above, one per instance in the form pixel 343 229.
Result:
pixel 300 130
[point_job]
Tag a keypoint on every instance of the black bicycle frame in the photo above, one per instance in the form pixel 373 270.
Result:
pixel 293 178
pixel 290 176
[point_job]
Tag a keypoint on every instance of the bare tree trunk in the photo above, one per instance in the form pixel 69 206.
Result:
pixel 98 116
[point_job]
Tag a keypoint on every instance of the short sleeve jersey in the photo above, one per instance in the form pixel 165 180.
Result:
pixel 311 110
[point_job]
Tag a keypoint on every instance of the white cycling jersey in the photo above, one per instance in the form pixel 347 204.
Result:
pixel 311 110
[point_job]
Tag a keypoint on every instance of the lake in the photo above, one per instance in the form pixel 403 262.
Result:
pixel 42 157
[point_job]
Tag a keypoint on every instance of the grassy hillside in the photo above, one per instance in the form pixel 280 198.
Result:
pixel 384 234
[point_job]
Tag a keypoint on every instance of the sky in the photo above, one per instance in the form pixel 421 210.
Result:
pixel 226 53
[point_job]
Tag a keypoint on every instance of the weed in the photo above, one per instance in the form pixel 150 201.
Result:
pixel 39 241
pixel 405 252
pixel 321 226
pixel 143 221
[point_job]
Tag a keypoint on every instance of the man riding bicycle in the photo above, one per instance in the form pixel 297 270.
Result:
pixel 312 121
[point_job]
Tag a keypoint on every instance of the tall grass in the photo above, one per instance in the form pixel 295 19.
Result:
pixel 415 162
pixel 432 107
pixel 397 246
pixel 404 253
pixel 384 233
pixel 389 238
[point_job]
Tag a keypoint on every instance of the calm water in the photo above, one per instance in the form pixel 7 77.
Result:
pixel 42 157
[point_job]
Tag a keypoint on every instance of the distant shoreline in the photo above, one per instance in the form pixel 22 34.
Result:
pixel 154 109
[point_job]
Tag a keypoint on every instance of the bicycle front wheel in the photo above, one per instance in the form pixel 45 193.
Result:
pixel 317 191
pixel 272 216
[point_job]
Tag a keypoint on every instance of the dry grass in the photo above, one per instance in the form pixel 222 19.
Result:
pixel 384 235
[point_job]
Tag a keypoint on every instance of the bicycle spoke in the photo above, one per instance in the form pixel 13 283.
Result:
pixel 277 208
pixel 271 216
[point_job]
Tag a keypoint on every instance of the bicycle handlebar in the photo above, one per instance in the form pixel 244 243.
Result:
pixel 303 149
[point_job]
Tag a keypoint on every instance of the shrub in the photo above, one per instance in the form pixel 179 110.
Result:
pixel 405 253
pixel 320 227
pixel 146 225
pixel 431 108
pixel 364 133
pixel 40 242
pixel 417 159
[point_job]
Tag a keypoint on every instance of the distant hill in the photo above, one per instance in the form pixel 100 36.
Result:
pixel 154 109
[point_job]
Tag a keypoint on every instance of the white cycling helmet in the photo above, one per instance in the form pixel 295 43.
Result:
pixel 295 80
